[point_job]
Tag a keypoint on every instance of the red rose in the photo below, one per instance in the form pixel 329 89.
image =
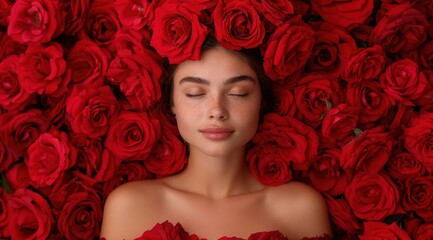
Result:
pixel 90 109
pixel 370 98
pixel 339 124
pixel 49 157
pixel 343 13
pixel 9 47
pixel 93 160
pixel 403 165
pixel 43 69
pixel 88 62
pixel 132 135
pixel 288 49
pixel 237 24
pixel 54 108
pixel 5 8
pixel 101 23
pixel 64 187
pixel 326 173
pixel 286 100
pixel 76 15
pixel 271 235
pixel 366 64
pixel 136 41
pixel 18 177
pixel 400 30
pixel 12 95
pixel 177 32
pixel 418 138
pixel 380 230
pixel 134 14
pixel 369 151
pixel 6 159
pixel 23 129
pixel 424 231
pixel 165 230
pixel 426 58
pixel 372 196
pixel 30 215
pixel 280 142
pixel 80 216
pixel 128 171
pixel 418 196
pixel 36 21
pixel 342 215
pixel 403 81
pixel 4 214
pixel 314 95
pixel 138 76
pixel 360 31
pixel 168 156
pixel 331 50
pixel 276 12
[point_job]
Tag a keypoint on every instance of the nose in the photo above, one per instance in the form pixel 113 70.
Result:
pixel 217 109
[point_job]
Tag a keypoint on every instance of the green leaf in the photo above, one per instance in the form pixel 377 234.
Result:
pixel 328 104
pixel 5 184
pixel 357 132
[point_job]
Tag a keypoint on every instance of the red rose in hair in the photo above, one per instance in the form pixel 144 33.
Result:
pixel 87 61
pixel 80 216
pixel 276 12
pixel 342 215
pixel 12 95
pixel 132 135
pixel 177 32
pixel 76 15
pixel 22 130
pixel 366 64
pixel 418 196
pixel 418 139
pixel 424 231
pixel 134 14
pixel 281 141
pixel 36 21
pixel 168 156
pixel 102 23
pixel 30 215
pixel 4 214
pixel 372 196
pixel 314 95
pixel 288 49
pixel 339 124
pixel 400 30
pixel 370 98
pixel 138 76
pixel 369 151
pixel 43 69
pixel 343 13
pixel 237 24
pixel 128 171
pixel 380 230
pixel 326 173
pixel 331 50
pixel 90 109
pixel 404 81
pixel 404 165
pixel 49 157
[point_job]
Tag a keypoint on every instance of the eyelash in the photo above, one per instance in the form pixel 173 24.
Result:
pixel 199 95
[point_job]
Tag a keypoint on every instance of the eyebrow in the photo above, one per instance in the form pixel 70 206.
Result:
pixel 226 82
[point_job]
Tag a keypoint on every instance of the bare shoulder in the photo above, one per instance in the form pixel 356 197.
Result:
pixel 300 209
pixel 129 204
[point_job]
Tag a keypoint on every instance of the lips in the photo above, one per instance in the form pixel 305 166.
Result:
pixel 217 133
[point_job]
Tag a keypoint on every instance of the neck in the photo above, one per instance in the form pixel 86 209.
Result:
pixel 218 177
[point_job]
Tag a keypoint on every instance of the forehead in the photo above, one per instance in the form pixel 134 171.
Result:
pixel 215 64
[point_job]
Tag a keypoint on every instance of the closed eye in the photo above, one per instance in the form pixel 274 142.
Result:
pixel 238 94
pixel 194 95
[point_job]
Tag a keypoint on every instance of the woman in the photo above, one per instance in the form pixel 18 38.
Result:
pixel 217 102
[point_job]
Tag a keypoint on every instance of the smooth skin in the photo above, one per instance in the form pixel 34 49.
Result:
pixel 216 101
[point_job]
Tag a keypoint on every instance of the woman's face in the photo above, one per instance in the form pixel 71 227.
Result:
pixel 216 101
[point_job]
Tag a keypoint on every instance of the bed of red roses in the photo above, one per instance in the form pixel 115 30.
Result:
pixel 80 84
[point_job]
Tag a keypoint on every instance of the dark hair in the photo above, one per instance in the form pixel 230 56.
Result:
pixel 254 59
